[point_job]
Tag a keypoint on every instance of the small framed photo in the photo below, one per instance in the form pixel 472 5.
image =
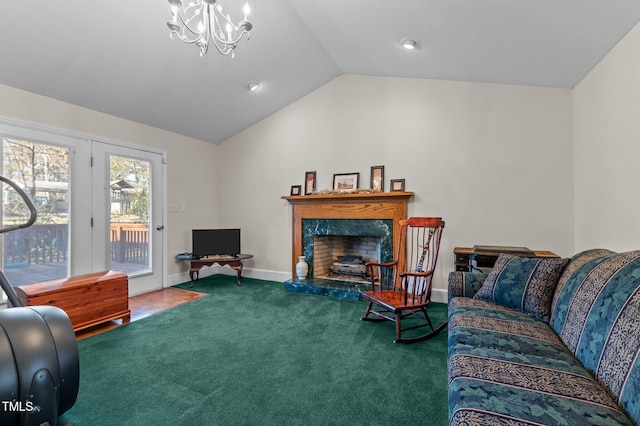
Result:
pixel 346 181
pixel 309 183
pixel 397 185
pixel 296 190
pixel 377 178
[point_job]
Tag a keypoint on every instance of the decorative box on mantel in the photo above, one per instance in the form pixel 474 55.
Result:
pixel 376 214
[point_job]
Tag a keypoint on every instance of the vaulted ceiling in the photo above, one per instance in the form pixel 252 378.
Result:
pixel 116 57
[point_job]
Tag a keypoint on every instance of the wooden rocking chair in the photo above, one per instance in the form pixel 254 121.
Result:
pixel 402 288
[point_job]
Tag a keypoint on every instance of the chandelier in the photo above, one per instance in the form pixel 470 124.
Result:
pixel 203 22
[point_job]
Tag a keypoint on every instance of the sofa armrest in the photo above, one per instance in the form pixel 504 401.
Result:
pixel 465 284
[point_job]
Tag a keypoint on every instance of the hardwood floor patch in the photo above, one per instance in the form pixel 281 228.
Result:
pixel 146 304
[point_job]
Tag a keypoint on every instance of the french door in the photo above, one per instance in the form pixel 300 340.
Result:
pixel 127 204
pixel 100 206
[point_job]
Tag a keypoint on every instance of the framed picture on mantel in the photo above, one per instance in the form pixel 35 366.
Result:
pixel 397 185
pixel 309 183
pixel 346 181
pixel 377 178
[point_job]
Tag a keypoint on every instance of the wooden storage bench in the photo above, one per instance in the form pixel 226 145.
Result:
pixel 88 299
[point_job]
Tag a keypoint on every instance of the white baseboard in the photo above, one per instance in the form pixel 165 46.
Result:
pixel 439 295
pixel 259 274
pixel 184 276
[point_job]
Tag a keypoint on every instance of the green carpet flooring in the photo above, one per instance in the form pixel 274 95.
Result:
pixel 257 354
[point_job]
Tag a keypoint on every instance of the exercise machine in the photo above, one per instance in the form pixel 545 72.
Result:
pixel 39 365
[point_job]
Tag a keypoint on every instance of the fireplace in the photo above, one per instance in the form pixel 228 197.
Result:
pixel 369 239
pixel 362 217
pixel 344 258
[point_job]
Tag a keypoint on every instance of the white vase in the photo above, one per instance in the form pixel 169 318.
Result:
pixel 302 269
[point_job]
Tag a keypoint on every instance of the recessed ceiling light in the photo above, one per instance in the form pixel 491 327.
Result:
pixel 253 85
pixel 409 43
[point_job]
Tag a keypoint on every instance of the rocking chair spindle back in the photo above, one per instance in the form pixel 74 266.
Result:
pixel 404 286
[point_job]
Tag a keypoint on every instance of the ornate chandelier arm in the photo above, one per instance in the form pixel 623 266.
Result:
pixel 200 16
pixel 231 36
pixel 184 18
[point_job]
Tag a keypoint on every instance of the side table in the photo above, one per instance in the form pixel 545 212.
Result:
pixel 468 259
pixel 235 262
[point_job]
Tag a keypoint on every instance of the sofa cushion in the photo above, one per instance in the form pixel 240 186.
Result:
pixel 597 315
pixel 576 262
pixel 524 283
pixel 482 328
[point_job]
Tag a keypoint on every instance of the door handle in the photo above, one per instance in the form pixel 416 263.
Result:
pixel 160 227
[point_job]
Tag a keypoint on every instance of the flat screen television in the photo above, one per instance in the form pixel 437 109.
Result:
pixel 210 242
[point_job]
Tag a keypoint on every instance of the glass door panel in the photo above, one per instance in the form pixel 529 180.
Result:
pixel 130 186
pixel 40 252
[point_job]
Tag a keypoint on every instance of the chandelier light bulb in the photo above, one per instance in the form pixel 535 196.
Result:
pixel 246 10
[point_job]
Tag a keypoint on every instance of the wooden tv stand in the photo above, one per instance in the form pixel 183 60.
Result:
pixel 88 299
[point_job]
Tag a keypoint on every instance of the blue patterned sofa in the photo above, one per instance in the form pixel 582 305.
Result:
pixel 546 342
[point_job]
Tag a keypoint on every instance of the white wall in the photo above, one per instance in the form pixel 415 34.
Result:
pixel 191 176
pixel 495 161
pixel 607 150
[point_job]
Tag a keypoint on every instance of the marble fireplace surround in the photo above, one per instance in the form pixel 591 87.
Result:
pixel 382 229
pixel 363 214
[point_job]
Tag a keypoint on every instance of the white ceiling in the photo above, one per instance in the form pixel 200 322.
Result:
pixel 116 56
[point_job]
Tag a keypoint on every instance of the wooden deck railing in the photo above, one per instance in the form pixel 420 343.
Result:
pixel 130 243
pixel 37 244
pixel 50 244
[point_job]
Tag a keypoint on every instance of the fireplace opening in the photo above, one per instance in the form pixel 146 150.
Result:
pixel 344 258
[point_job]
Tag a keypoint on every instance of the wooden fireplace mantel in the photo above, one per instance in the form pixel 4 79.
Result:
pixel 347 196
pixel 377 205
